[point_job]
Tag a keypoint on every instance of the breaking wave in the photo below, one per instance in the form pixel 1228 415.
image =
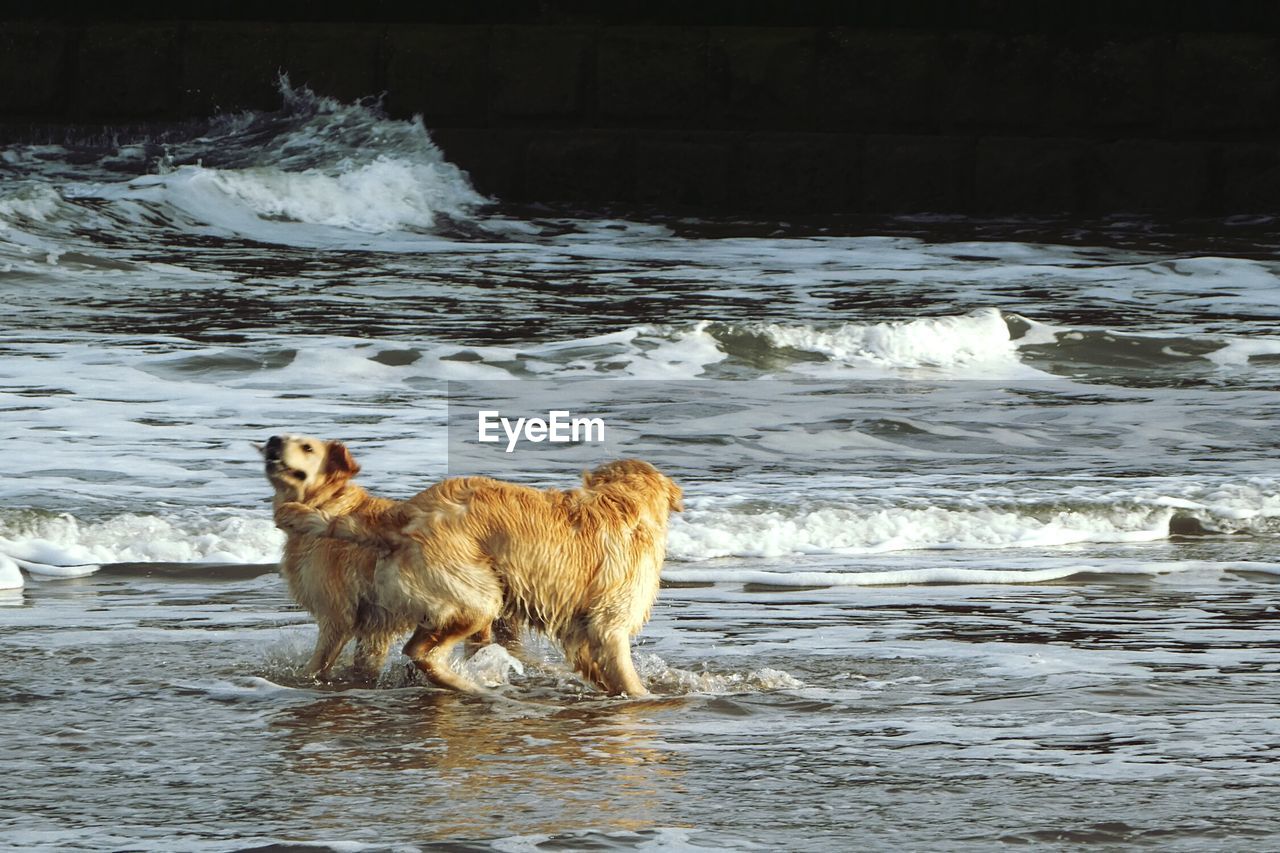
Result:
pixel 293 176
pixel 58 544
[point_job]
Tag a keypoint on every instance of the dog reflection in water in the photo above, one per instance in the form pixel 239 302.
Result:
pixel 581 565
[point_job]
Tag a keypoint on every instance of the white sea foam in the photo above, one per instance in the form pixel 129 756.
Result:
pixel 492 666
pixel 317 173
pixel 65 541
pixel 53 570
pixel 1251 566
pixel 661 677
pixel 25 214
pixel 65 546
pixel 970 346
pixel 240 689
pixel 665 353
pixel 1236 352
pixel 10 575
pixel 387 194
pixel 976 345
pixel 1235 507
pixel 35 202
pixel 656 838
pixel 706 534
pixel 903 577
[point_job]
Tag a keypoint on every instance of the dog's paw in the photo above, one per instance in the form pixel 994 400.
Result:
pixel 300 518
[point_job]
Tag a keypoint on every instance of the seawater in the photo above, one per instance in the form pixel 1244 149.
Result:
pixel 993 562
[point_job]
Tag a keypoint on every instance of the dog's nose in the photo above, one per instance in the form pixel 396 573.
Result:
pixel 273 447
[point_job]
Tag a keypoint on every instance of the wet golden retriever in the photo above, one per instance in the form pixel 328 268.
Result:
pixel 331 579
pixel 581 566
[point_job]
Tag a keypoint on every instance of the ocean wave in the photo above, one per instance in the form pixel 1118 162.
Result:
pixel 704 533
pixel 980 336
pixel 29 202
pixel 897 577
pixel 29 211
pixel 985 344
pixel 638 352
pixel 1084 350
pixel 386 195
pixel 10 575
pixel 714 528
pixel 968 346
pixel 977 344
pixel 707 534
pixel 268 176
pixel 960 576
pixel 308 132
pixel 45 543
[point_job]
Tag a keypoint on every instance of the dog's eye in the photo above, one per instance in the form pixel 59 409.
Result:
pixel 306 448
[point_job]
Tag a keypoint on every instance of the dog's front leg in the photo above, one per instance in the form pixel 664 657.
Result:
pixel 371 654
pixel 612 652
pixel 328 646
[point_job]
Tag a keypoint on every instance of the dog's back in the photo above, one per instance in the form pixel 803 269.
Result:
pixel 559 555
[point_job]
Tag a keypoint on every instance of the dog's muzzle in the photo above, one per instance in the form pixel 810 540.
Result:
pixel 275 445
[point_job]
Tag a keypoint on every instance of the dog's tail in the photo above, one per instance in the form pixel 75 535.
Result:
pixel 384 530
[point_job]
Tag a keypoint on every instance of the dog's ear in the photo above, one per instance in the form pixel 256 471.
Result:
pixel 338 460
pixel 675 498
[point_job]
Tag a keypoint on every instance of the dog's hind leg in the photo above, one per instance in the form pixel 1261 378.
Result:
pixel 579 654
pixel 479 639
pixel 429 649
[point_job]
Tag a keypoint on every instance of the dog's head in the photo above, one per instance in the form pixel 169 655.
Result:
pixel 636 476
pixel 298 465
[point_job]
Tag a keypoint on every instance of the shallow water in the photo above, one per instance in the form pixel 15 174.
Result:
pixel 164 712
pixel 979 544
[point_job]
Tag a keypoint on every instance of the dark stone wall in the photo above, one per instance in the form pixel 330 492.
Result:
pixel 1168 107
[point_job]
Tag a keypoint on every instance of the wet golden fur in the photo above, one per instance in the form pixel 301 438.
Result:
pixel 580 565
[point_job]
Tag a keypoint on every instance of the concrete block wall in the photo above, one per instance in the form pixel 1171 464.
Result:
pixel 1170 108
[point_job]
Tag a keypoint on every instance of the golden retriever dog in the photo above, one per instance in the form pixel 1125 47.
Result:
pixel 581 566
pixel 331 579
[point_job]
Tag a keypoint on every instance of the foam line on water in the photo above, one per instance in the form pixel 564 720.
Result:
pixel 707 534
pixel 904 577
pixel 66 546
pixel 50 570
pixel 663 678
pixel 873 518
